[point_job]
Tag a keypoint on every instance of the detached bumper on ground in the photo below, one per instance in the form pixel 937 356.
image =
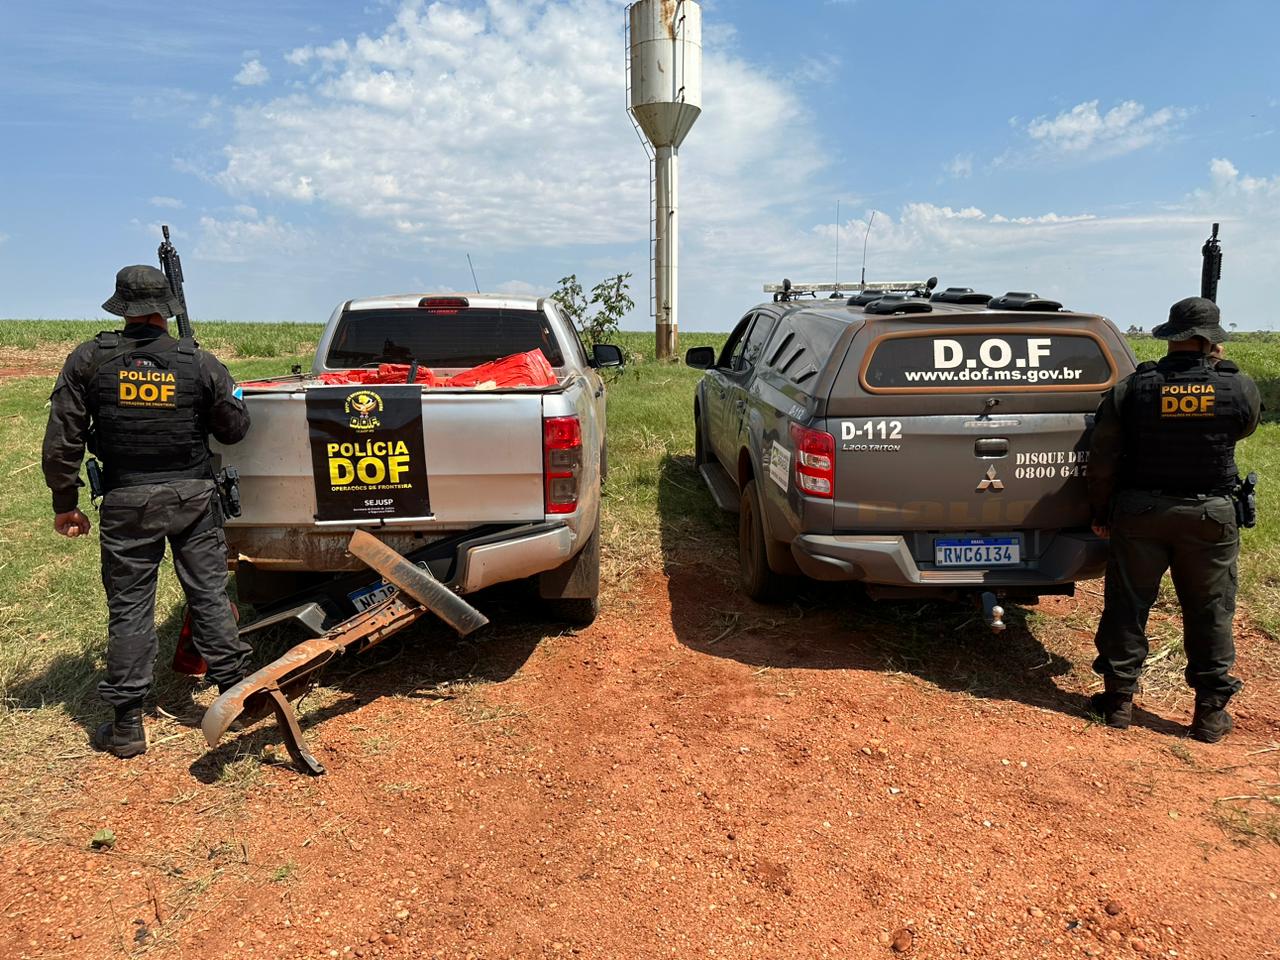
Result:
pixel 416 593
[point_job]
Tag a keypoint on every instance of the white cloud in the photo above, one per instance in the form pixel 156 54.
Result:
pixel 1085 130
pixel 1228 183
pixel 816 69
pixel 503 124
pixel 252 74
pixel 170 203
pixel 498 126
pixel 519 288
pixel 245 240
pixel 1127 265
pixel 961 166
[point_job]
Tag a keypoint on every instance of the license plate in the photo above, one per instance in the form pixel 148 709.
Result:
pixel 375 593
pixel 977 552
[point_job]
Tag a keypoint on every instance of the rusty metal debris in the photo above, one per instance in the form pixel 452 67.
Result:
pixel 271 688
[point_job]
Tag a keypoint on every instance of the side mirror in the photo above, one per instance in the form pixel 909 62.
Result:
pixel 607 355
pixel 700 358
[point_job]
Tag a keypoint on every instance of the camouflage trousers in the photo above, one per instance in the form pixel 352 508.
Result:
pixel 134 524
pixel 1194 539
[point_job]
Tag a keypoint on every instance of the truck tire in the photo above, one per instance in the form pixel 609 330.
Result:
pixel 571 592
pixel 699 444
pixel 759 582
pixel 573 611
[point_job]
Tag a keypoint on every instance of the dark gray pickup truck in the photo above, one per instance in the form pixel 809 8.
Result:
pixel 926 444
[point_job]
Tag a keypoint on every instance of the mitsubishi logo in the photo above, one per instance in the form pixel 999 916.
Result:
pixel 992 482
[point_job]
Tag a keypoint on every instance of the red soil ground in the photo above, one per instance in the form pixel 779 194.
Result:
pixel 693 776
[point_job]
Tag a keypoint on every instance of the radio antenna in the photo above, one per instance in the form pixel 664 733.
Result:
pixel 473 274
pixel 865 237
pixel 837 293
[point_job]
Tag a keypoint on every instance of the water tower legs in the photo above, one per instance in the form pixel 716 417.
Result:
pixel 666 252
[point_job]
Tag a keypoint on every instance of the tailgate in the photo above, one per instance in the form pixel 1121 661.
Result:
pixel 969 427
pixel 961 473
pixel 482 452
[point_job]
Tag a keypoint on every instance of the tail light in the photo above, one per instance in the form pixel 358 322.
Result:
pixel 815 461
pixel 562 462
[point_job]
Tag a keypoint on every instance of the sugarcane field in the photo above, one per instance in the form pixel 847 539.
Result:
pixel 619 479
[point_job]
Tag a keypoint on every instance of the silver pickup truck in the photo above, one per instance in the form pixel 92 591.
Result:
pixel 480 484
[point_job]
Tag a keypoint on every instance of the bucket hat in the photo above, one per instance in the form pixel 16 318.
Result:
pixel 1192 317
pixel 140 291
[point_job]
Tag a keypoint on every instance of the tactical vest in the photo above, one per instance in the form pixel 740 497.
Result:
pixel 1181 424
pixel 145 400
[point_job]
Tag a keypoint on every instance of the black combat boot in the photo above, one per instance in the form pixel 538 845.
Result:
pixel 1116 709
pixel 1211 722
pixel 125 736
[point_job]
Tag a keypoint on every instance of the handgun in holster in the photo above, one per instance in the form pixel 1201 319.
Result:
pixel 93 469
pixel 228 483
pixel 1245 497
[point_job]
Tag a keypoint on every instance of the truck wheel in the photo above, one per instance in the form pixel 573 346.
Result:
pixel 575 611
pixel 759 582
pixel 699 445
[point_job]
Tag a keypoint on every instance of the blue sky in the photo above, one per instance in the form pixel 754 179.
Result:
pixel 309 152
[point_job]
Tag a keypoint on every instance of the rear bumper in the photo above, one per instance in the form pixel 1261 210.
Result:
pixel 888 561
pixel 511 556
pixel 465 563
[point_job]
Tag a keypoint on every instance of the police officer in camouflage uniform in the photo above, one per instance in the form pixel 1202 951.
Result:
pixel 145 404
pixel 1161 471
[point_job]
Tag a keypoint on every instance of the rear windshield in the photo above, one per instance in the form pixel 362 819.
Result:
pixel 956 362
pixel 467 338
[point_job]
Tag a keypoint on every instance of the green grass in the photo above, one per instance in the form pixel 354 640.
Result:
pixel 227 339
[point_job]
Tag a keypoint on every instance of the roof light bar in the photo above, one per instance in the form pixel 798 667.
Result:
pixel 884 286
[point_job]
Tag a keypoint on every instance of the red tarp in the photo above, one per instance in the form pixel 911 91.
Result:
pixel 385 373
pixel 518 370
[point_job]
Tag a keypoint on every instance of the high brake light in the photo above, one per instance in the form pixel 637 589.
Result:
pixel 444 304
pixel 562 462
pixel 815 461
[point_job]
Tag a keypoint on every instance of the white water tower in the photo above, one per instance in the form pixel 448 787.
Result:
pixel 664 83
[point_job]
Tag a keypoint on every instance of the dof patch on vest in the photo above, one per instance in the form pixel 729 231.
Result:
pixel 1186 400
pixel 148 388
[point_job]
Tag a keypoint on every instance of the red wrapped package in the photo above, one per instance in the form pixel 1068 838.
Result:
pixel 518 370
pixel 385 373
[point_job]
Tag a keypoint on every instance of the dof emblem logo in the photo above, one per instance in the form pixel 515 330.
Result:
pixel 360 407
pixel 147 388
pixel 1187 400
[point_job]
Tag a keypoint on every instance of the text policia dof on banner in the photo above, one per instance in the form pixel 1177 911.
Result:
pixel 367 452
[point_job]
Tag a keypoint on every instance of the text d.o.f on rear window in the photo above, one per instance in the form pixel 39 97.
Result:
pixel 955 362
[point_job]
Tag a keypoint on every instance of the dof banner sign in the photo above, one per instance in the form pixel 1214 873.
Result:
pixel 367 452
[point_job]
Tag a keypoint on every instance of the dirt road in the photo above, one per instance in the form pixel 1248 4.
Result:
pixel 691 777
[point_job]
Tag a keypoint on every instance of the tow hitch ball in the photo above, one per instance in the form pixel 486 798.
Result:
pixel 992 612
